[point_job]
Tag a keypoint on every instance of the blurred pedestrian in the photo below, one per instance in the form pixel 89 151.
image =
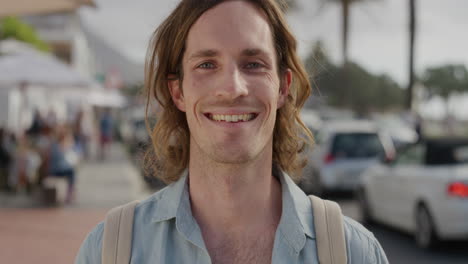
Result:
pixel 43 144
pixel 62 161
pixel 106 126
pixel 79 134
pixel 229 136
pixel 5 160
pixel 24 169
pixel 36 125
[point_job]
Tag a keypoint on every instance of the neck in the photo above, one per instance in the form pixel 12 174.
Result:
pixel 232 199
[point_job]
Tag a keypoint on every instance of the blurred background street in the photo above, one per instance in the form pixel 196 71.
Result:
pixel 31 232
pixel 389 114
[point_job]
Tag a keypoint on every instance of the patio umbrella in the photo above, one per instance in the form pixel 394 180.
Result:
pixel 24 72
pixel 40 69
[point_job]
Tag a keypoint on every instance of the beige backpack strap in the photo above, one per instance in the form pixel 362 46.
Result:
pixel 117 237
pixel 329 230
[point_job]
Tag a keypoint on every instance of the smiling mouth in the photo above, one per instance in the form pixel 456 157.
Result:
pixel 232 118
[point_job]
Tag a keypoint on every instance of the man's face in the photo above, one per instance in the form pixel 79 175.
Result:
pixel 231 88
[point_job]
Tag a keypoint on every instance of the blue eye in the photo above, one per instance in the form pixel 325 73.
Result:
pixel 206 65
pixel 253 65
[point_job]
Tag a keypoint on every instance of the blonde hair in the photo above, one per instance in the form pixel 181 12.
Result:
pixel 164 62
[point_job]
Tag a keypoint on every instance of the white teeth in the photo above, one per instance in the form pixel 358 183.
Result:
pixel 232 118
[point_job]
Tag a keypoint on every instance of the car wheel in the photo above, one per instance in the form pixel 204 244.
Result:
pixel 425 235
pixel 366 216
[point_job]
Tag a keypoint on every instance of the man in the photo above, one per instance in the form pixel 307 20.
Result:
pixel 228 79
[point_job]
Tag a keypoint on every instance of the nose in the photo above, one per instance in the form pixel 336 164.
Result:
pixel 233 85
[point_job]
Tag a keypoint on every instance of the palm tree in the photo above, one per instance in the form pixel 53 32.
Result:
pixel 412 34
pixel 345 16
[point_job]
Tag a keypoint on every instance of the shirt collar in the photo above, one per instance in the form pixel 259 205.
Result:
pixel 174 202
pixel 168 199
pixel 295 224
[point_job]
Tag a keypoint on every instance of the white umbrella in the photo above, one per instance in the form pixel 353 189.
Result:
pixel 29 70
pixel 37 68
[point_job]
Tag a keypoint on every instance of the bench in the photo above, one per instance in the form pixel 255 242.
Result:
pixel 54 190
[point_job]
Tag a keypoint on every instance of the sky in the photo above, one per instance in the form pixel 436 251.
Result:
pixel 378 30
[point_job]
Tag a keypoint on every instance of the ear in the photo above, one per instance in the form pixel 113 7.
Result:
pixel 176 93
pixel 284 88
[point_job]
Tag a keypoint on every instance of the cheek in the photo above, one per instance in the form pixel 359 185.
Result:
pixel 272 79
pixel 266 88
pixel 197 86
pixel 194 92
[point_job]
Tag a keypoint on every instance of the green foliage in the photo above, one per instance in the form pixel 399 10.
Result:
pixel 446 80
pixel 359 89
pixel 12 27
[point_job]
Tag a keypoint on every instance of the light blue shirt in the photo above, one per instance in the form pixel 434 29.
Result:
pixel 165 231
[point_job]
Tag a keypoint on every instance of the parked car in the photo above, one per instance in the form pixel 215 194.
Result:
pixel 343 150
pixel 424 191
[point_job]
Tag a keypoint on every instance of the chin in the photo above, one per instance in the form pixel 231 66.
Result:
pixel 233 157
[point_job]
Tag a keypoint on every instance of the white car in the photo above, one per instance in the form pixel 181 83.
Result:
pixel 343 150
pixel 424 191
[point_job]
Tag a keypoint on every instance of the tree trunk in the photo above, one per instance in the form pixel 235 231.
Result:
pixel 412 34
pixel 348 100
pixel 345 30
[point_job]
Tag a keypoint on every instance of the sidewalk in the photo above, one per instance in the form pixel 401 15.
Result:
pixel 109 183
pixel 30 233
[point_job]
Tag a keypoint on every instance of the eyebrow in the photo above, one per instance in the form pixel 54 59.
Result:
pixel 210 53
pixel 253 52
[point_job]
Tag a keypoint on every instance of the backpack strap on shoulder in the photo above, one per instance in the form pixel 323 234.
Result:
pixel 117 237
pixel 329 230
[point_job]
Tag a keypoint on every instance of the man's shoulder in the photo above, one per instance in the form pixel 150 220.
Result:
pixel 91 248
pixel 357 230
pixel 361 244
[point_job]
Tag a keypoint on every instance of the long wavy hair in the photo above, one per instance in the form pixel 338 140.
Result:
pixel 170 135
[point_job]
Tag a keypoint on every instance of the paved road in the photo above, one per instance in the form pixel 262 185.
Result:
pixel 44 235
pixel 400 247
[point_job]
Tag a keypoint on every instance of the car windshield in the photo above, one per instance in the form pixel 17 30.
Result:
pixel 356 145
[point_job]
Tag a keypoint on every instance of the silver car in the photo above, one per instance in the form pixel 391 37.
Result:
pixel 343 151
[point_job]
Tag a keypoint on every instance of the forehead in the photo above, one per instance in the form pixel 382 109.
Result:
pixel 232 26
